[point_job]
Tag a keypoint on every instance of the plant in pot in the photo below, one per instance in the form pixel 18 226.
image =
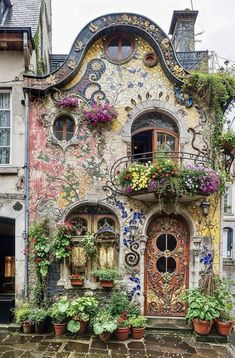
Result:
pixel 104 324
pixel 106 277
pixel 77 279
pixel 202 310
pixel 123 329
pixel 38 316
pixel 23 316
pixel 81 311
pixel 58 314
pixel 119 304
pixel 227 141
pixel 225 297
pixel 137 326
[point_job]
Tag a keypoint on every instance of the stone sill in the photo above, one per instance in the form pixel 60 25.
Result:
pixel 9 170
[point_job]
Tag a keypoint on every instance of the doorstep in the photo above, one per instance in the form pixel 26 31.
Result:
pixel 168 324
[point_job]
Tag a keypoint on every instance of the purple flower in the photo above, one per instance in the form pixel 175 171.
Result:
pixel 67 102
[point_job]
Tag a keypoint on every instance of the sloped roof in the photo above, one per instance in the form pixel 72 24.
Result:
pixel 23 13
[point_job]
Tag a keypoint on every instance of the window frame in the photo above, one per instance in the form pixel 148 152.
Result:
pixel 60 116
pixel 120 37
pixel 228 194
pixel 8 91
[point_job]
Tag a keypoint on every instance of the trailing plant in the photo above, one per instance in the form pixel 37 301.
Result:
pixel 62 240
pixel 104 322
pixel 105 274
pixel 138 322
pixel 219 90
pixel 99 113
pixel 88 243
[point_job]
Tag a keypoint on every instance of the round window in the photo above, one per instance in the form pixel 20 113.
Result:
pixel 64 128
pixel 120 48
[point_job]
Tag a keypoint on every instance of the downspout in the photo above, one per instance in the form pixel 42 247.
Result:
pixel 26 196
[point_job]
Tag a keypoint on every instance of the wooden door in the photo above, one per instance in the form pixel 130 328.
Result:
pixel 166 266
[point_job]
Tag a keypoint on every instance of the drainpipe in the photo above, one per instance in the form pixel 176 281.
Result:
pixel 26 194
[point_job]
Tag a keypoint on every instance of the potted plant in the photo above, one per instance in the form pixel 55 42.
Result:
pixel 123 329
pixel 105 277
pixel 119 304
pixel 202 310
pixel 38 316
pixel 77 279
pixel 23 316
pixel 104 324
pixel 58 314
pixel 225 297
pixel 81 311
pixel 227 141
pixel 99 113
pixel 62 240
pixel 138 326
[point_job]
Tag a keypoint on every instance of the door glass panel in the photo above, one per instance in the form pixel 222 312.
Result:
pixel 161 264
pixel 161 242
pixel 171 242
pixel 171 264
pixel 165 142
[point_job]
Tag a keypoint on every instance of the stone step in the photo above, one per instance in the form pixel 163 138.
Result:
pixel 11 327
pixel 168 324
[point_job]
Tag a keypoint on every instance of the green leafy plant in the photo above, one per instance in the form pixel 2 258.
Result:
pixel 138 322
pixel 105 274
pixel 227 140
pixel 119 304
pixel 58 311
pixel 81 309
pixel 104 322
pixel 38 315
pixel 225 297
pixel 201 306
pixel 23 313
pixel 123 323
pixel 62 240
pixel 88 243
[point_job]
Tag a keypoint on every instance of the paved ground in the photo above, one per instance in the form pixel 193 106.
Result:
pixel 159 345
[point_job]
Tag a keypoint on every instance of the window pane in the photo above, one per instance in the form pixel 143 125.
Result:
pixel 113 49
pixel 171 242
pixel 161 242
pixel 64 128
pixel 4 137
pixel 4 155
pixel 4 118
pixel 4 100
pixel 126 49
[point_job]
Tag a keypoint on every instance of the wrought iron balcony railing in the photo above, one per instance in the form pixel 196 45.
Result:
pixel 180 158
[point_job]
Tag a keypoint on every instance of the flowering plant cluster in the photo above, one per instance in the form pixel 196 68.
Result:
pixel 62 240
pixel 164 175
pixel 99 114
pixel 68 102
pixel 76 276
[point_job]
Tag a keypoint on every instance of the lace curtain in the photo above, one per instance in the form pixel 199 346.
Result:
pixel 5 128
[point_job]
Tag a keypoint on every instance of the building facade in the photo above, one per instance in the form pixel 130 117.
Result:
pixel 24 44
pixel 86 173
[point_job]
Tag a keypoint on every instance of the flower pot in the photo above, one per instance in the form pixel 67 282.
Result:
pixel 76 282
pixel 83 326
pixel 39 327
pixel 122 333
pixel 60 328
pixel 106 284
pixel 202 327
pixel 224 328
pixel 105 336
pixel 27 327
pixel 137 333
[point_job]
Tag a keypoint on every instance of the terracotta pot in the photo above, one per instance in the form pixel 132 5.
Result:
pixel 27 327
pixel 83 326
pixel 224 328
pixel 105 336
pixel 122 333
pixel 76 282
pixel 137 333
pixel 39 327
pixel 106 284
pixel 60 328
pixel 202 327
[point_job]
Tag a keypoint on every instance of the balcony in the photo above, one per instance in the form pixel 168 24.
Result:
pixel 157 176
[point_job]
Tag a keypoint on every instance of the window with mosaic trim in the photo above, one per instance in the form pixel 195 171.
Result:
pixel 5 128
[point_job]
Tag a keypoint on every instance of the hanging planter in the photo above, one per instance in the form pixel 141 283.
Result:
pixel 97 114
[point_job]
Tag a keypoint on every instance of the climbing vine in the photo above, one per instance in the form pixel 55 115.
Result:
pixel 219 91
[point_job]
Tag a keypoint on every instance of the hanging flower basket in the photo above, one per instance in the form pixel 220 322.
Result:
pixel 99 114
pixel 67 102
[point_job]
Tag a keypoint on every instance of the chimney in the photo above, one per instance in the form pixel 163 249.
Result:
pixel 182 30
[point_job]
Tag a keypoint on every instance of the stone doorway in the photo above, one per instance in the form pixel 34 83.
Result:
pixel 166 265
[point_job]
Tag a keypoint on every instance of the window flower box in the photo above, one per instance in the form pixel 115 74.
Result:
pixel 98 113
pixel 77 279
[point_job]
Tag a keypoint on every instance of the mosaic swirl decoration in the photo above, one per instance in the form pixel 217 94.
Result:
pixel 133 257
pixel 100 27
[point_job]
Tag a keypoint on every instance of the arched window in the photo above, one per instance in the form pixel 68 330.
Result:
pixel 154 132
pixel 120 47
pixel 64 127
pixel 227 242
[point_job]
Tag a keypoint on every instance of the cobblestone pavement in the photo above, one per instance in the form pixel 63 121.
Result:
pixel 157 345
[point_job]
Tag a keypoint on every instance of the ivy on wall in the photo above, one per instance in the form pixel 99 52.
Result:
pixel 219 91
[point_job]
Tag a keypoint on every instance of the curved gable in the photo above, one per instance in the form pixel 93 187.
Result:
pixel 123 22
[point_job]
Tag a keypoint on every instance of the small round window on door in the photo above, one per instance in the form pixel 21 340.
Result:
pixel 64 128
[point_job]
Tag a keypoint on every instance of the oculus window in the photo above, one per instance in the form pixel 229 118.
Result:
pixel 119 48
pixel 64 128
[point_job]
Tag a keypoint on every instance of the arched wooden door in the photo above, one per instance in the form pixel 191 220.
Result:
pixel 166 266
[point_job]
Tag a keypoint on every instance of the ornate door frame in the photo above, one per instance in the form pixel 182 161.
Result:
pixel 166 271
